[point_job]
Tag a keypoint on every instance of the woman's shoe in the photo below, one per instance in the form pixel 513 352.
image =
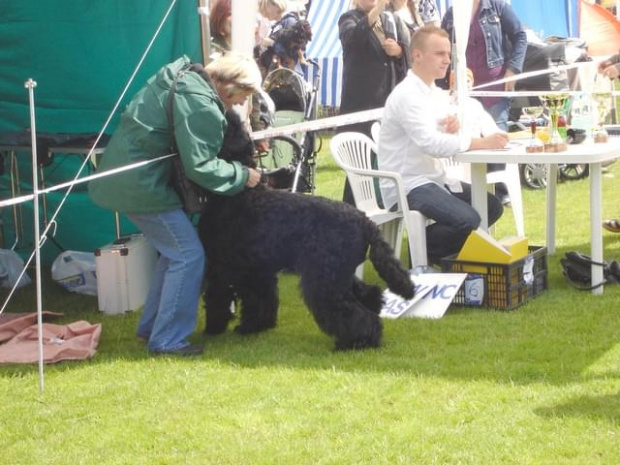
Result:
pixel 191 350
pixel 612 225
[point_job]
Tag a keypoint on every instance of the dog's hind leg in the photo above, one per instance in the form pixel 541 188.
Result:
pixel 218 298
pixel 339 314
pixel 371 297
pixel 258 293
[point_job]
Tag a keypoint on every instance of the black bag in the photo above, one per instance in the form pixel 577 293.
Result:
pixel 577 269
pixel 193 196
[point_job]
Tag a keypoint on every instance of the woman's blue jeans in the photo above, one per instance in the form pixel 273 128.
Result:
pixel 171 307
pixel 453 214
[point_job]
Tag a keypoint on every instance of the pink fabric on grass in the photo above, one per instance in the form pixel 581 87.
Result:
pixel 74 341
pixel 13 323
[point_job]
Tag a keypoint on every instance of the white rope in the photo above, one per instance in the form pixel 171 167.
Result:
pixel 518 77
pixel 530 93
pixel 70 184
pixel 323 123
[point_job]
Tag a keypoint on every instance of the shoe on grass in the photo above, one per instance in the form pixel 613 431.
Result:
pixel 612 225
pixel 191 350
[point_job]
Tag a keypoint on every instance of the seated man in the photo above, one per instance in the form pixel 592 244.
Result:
pixel 419 127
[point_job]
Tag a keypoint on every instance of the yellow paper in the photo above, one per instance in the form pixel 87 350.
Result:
pixel 516 247
pixel 481 247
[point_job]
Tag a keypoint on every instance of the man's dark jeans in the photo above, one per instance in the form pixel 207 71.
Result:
pixel 453 214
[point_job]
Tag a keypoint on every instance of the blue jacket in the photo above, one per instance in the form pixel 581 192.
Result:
pixel 505 38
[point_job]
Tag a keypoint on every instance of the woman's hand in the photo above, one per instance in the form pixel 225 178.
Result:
pixel 374 12
pixel 509 86
pixel 392 48
pixel 262 145
pixel 253 178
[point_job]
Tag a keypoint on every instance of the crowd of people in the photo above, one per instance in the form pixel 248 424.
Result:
pixel 395 56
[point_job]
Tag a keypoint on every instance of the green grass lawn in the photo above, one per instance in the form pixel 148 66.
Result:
pixel 536 385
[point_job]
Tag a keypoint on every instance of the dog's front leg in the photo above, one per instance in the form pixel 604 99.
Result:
pixel 259 302
pixel 218 298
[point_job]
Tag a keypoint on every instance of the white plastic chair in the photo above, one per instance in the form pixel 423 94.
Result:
pixel 461 171
pixel 352 151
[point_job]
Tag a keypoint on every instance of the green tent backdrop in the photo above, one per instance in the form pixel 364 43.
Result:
pixel 81 54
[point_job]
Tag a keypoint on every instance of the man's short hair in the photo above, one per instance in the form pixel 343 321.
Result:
pixel 420 37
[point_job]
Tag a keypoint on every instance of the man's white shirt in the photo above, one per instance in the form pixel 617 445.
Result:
pixel 412 140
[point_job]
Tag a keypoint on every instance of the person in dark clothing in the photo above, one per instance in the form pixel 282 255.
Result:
pixel 375 45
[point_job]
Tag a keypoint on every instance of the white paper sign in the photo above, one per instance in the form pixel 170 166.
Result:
pixel 433 294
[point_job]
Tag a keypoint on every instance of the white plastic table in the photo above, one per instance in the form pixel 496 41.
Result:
pixel 586 153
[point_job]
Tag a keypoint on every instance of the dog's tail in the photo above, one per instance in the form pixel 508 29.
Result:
pixel 389 268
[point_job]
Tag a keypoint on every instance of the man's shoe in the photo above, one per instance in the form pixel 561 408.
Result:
pixel 191 350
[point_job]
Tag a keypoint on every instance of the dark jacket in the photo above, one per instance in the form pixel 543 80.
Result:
pixel 369 74
pixel 143 134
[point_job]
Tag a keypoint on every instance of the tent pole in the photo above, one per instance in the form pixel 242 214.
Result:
pixel 30 85
pixel 205 30
pixel 569 13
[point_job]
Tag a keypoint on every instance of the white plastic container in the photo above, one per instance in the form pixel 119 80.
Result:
pixel 124 273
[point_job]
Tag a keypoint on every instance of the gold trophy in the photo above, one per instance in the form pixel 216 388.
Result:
pixel 533 113
pixel 555 102
pixel 599 134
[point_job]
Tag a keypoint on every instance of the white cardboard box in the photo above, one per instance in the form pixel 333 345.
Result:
pixel 124 273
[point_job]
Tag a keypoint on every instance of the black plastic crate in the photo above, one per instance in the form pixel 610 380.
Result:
pixel 504 286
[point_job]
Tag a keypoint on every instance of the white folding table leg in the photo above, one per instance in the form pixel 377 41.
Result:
pixel 596 219
pixel 552 179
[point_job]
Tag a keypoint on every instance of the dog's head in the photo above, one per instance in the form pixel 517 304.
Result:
pixel 238 145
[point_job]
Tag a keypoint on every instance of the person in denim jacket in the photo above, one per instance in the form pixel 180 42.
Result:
pixel 495 50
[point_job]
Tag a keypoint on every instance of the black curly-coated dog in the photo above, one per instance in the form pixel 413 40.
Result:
pixel 250 237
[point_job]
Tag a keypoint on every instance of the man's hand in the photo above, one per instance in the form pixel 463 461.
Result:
pixel 494 141
pixel 392 48
pixel 604 64
pixel 451 124
pixel 253 177
pixel 611 71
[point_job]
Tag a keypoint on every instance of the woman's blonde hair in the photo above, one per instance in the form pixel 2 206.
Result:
pixel 282 5
pixel 236 72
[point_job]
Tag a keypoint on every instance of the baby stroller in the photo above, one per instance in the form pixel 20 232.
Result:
pixel 295 100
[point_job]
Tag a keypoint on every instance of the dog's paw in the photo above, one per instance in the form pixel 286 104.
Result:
pixel 217 326
pixel 357 344
pixel 253 328
pixel 214 330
